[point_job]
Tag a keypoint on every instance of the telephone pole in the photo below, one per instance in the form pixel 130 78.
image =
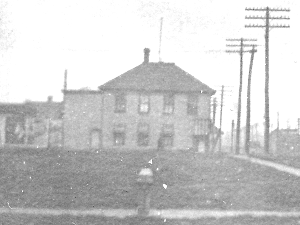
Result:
pixel 64 109
pixel 267 27
pixel 247 138
pixel 214 111
pixel 212 125
pixel 160 36
pixel 242 45
pixel 232 136
pixel 221 117
pixel 224 90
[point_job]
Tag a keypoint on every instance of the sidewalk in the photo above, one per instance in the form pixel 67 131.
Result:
pixel 164 214
pixel 280 167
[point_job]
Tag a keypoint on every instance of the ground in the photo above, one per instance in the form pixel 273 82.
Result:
pixel 107 179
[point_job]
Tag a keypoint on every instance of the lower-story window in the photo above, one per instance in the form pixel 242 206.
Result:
pixel 143 134
pixel 168 140
pixel 119 135
pixel 167 136
pixel 201 127
pixel 119 139
pixel 143 139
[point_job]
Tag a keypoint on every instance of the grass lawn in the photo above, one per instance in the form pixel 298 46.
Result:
pixel 78 180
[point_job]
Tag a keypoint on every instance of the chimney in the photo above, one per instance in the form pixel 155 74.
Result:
pixel 146 55
pixel 50 99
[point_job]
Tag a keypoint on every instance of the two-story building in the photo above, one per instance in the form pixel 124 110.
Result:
pixel 154 105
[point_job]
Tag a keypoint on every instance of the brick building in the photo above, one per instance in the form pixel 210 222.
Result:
pixel 154 105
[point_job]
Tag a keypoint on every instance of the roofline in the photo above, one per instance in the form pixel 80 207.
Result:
pixel 40 102
pixel 102 89
pixel 81 91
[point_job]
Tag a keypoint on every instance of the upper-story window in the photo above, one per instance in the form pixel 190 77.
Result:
pixel 192 105
pixel 144 103
pixel 120 103
pixel 169 104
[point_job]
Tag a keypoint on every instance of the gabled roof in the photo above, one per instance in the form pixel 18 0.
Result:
pixel 157 77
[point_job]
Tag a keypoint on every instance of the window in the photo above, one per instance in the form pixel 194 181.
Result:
pixel 144 104
pixel 201 127
pixel 167 135
pixel 143 134
pixel 168 104
pixel 120 103
pixel 119 134
pixel 192 105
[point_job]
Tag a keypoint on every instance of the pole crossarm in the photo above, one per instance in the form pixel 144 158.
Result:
pixel 263 17
pixel 239 39
pixel 245 45
pixel 264 26
pixel 265 9
pixel 232 51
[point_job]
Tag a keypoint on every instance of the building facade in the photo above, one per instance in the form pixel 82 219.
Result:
pixel 285 141
pixel 152 106
pixel 31 124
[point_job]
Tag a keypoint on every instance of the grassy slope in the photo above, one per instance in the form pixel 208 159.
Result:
pixel 108 179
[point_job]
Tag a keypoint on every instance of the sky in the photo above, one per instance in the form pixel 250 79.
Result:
pixel 98 40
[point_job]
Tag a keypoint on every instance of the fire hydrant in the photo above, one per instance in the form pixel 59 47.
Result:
pixel 145 181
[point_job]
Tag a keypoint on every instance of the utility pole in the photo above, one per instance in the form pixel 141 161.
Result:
pixel 267 27
pixel 241 52
pixel 63 116
pixel 212 123
pixel 221 117
pixel 247 138
pixel 160 36
pixel 224 90
pixel 232 135
pixel 214 111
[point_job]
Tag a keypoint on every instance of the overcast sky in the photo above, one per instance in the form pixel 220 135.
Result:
pixel 97 40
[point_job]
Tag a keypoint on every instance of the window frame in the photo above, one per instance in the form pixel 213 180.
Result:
pixel 169 101
pixel 119 130
pixel 141 104
pixel 143 134
pixel 120 100
pixel 168 132
pixel 192 104
pixel 201 127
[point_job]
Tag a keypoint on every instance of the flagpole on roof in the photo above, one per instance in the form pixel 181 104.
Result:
pixel 160 35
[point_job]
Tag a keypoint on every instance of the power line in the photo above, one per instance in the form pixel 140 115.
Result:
pixel 267 27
